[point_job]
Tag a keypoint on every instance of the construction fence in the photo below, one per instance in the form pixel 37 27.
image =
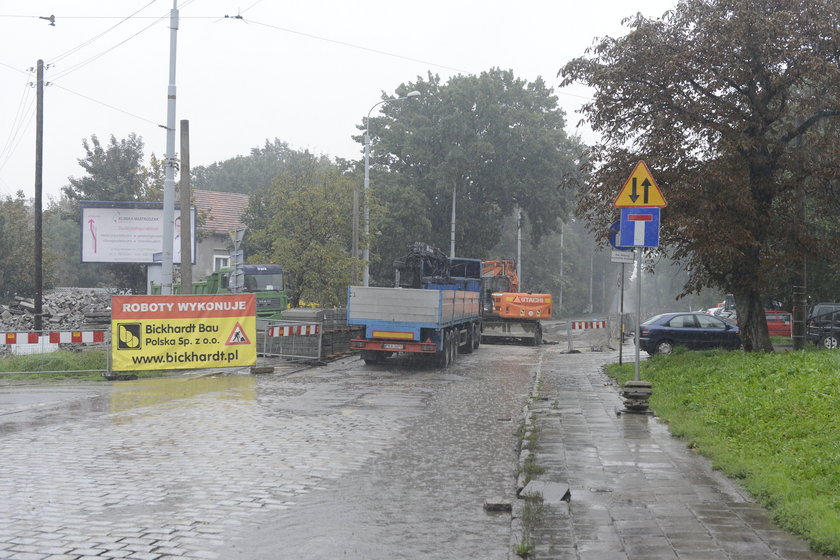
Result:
pixel 309 334
pixel 305 334
pixel 594 334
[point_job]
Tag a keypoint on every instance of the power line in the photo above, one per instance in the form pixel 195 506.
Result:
pixel 91 40
pixel 109 106
pixel 106 51
pixel 359 47
pixel 19 125
pixel 10 67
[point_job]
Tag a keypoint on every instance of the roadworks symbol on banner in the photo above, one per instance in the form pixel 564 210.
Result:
pixel 237 336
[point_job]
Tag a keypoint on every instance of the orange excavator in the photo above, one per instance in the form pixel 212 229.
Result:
pixel 509 313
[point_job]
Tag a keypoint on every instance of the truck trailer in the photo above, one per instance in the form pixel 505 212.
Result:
pixel 434 308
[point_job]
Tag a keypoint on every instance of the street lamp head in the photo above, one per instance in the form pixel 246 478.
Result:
pixel 414 93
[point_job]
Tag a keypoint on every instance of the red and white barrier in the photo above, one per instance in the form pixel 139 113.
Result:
pixel 22 338
pixel 583 325
pixel 77 336
pixel 68 337
pixel 292 330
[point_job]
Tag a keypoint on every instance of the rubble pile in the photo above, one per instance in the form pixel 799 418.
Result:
pixel 64 309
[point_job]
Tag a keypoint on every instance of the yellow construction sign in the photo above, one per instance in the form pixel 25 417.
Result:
pixel 640 190
pixel 183 332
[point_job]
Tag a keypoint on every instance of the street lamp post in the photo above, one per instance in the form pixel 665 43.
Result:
pixel 366 250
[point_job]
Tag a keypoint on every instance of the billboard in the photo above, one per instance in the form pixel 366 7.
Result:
pixel 129 233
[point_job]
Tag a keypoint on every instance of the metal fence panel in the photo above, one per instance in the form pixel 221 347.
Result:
pixel 293 339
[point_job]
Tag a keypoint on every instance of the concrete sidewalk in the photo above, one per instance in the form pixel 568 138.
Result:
pixel 636 492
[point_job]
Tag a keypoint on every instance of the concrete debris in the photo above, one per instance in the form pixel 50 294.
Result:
pixel 636 395
pixel 63 309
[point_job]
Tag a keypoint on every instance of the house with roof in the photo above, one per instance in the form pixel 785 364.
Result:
pixel 219 214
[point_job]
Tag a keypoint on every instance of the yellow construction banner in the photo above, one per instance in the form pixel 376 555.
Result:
pixel 183 332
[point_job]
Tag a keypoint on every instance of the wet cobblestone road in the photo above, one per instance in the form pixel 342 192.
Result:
pixel 391 461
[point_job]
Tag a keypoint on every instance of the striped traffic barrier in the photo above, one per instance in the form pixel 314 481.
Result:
pixel 292 330
pixel 60 337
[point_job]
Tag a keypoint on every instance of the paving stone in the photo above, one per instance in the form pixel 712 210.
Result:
pixel 628 474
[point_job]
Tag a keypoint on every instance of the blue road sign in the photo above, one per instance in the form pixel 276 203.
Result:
pixel 639 227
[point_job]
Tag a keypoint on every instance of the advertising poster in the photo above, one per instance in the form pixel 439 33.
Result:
pixel 183 332
pixel 122 234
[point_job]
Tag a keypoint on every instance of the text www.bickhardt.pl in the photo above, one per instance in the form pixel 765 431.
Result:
pixel 187 357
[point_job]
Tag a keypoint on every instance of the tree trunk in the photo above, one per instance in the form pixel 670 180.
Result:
pixel 752 322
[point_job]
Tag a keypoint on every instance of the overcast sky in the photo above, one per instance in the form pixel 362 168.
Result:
pixel 306 72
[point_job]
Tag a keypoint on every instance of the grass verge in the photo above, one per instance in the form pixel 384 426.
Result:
pixel 770 420
pixel 61 365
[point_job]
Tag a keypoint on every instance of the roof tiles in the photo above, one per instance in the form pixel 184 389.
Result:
pixel 222 210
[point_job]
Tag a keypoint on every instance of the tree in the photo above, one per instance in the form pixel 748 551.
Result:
pixel 497 140
pixel 17 247
pixel 303 223
pixel 114 172
pixel 725 101
pixel 297 170
pixel 247 174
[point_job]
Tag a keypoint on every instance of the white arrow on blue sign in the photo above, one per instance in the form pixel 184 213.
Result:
pixel 639 227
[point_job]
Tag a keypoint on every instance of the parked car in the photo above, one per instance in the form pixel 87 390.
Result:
pixel 779 323
pixel 662 333
pixel 823 324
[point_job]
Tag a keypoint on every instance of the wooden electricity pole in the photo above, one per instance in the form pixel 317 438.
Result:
pixel 186 215
pixel 39 187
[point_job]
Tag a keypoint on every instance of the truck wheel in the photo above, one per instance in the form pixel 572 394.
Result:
pixel 442 356
pixel 371 357
pixel 453 344
pixel 476 336
pixel 468 347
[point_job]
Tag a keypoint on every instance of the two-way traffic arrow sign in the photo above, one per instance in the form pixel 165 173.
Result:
pixel 640 190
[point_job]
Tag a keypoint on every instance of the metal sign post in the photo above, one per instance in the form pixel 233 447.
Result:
pixel 237 259
pixel 640 201
pixel 638 306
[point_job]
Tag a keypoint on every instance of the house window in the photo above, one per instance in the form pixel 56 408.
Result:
pixel 220 261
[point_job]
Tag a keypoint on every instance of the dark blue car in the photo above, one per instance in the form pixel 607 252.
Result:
pixel 660 334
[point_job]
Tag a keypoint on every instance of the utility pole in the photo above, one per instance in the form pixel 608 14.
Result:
pixel 519 249
pixel 186 215
pixel 39 187
pixel 354 250
pixel 560 299
pixel 169 162
pixel 800 278
pixel 452 233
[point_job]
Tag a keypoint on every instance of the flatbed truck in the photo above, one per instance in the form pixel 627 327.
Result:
pixel 434 309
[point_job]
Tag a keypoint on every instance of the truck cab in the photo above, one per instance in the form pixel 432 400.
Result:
pixel 264 280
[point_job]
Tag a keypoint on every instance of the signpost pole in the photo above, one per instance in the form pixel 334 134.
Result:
pixel 638 306
pixel 237 277
pixel 621 318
